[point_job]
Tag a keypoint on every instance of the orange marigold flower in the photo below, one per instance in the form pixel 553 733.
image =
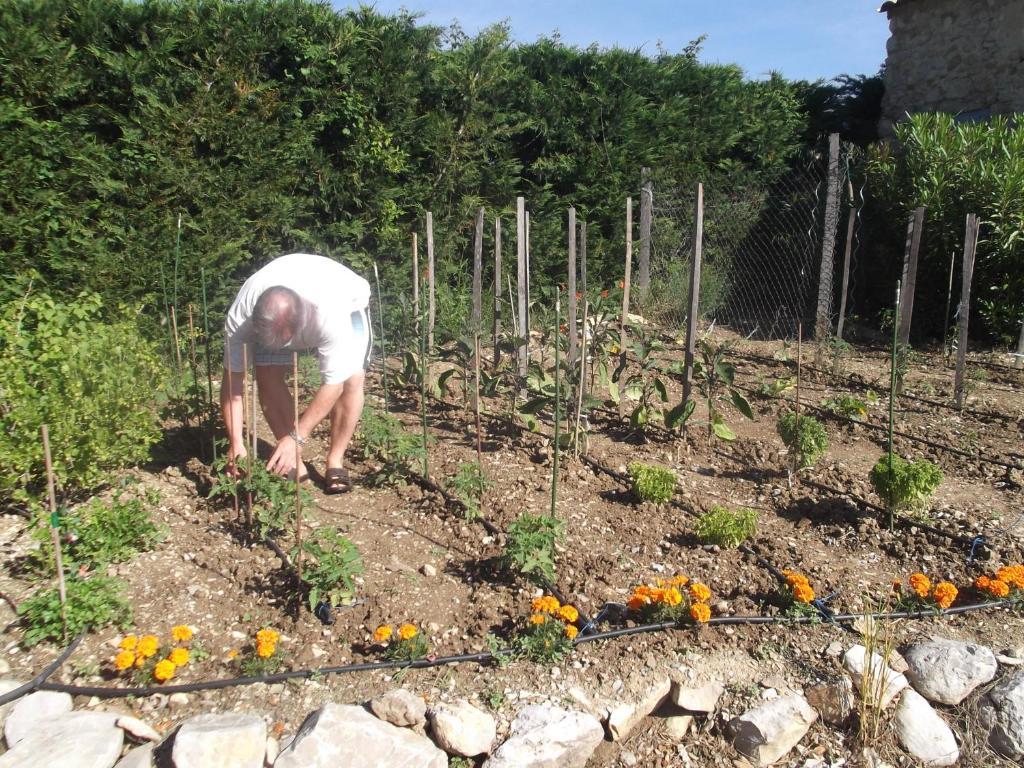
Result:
pixel 232 654
pixel 944 594
pixel 604 294
pixel 147 646
pixel 998 588
pixel 181 634
pixel 163 671
pixel 545 604
pixel 568 614
pixel 982 583
pixel 265 650
pixel 1013 575
pixel 803 593
pixel 129 643
pixel 793 578
pixel 679 581
pixel 672 596
pixel 571 631
pixel 267 636
pixel 538 618
pixel 699 592
pixel 408 631
pixel 124 660
pixel 635 603
pixel 382 634
pixel 179 657
pixel 921 584
pixel 700 612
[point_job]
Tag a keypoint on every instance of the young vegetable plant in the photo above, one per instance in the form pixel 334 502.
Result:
pixel 908 486
pixel 273 496
pixel 645 386
pixel 385 440
pixel 461 353
pixel 469 484
pixel 725 527
pixel 92 603
pixel 330 565
pixel 530 547
pixel 652 483
pixel 846 405
pixel 805 438
pixel 714 377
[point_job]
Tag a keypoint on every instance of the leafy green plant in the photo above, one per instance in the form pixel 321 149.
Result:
pixel 92 603
pixel 469 484
pixel 545 642
pixel 804 437
pixel 331 563
pixel 273 496
pixel 386 440
pixel 846 405
pixel 530 545
pixel 713 375
pixel 408 643
pixel 909 486
pixel 644 386
pixel 774 388
pixel 652 483
pixel 837 350
pixel 726 527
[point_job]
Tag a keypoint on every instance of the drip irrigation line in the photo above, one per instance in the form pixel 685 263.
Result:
pixel 41 678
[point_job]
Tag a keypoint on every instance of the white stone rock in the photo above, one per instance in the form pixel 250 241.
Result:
pixel 138 729
pixel 947 671
pixel 923 733
pixel 220 741
pixel 879 677
pixel 140 757
pixel 345 736
pixel 69 740
pixel 1001 712
pixel 545 736
pixel 624 715
pixel 273 750
pixel 6 686
pixel 31 711
pixel 767 732
pixel 677 726
pixel 702 699
pixel 462 729
pixel 400 707
pixel 177 700
pixel 833 701
pixel 428 570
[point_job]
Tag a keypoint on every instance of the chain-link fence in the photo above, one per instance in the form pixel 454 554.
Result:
pixel 762 248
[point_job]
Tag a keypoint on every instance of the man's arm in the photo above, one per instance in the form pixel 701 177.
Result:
pixel 231 410
pixel 283 460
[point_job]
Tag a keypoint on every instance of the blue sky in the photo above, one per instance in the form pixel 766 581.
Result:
pixel 802 39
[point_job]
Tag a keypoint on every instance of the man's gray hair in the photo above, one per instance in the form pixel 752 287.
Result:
pixel 277 316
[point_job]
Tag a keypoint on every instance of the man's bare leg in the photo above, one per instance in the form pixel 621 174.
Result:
pixel 344 418
pixel 276 399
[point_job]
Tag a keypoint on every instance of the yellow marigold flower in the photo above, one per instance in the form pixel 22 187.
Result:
pixel 571 631
pixel 700 612
pixel 181 634
pixel 129 643
pixel 982 583
pixel 382 634
pixel 699 592
pixel 538 618
pixel 179 657
pixel 998 588
pixel 568 614
pixel 803 593
pixel 944 594
pixel 265 650
pixel 147 646
pixel 267 636
pixel 679 581
pixel 124 660
pixel 672 596
pixel 163 671
pixel 793 578
pixel 408 631
pixel 546 604
pixel 232 654
pixel 920 583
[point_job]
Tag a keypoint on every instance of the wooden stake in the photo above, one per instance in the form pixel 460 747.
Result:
pixel 558 406
pixel 209 365
pixel 298 463
pixel 476 400
pixel 909 281
pixel 478 267
pixel 823 316
pixel 522 295
pixel 571 284
pixel 970 246
pixel 949 303
pixel 431 304
pixel 415 280
pixel 231 416
pixel 383 346
pixel 526 315
pixel 625 293
pixel 583 257
pixel 646 202
pixel 177 349
pixel 691 321
pixel 247 422
pixel 55 529
pixel 850 222
pixel 497 289
pixel 581 381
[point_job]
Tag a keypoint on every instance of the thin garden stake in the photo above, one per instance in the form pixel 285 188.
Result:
pixel 177 260
pixel 423 398
pixel 415 280
pixel 55 529
pixel 892 398
pixel 799 375
pixel 193 364
pixel 558 402
pixel 476 399
pixel 177 347
pixel 383 347
pixel 246 422
pixel 298 463
pixel 209 366
pixel 581 380
pixel 231 416
pixel 946 349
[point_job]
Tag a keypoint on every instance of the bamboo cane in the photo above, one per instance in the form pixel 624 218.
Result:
pixel 209 366
pixel 476 399
pixel 246 421
pixel 892 398
pixel 558 403
pixel 581 381
pixel 55 530
pixel 231 426
pixel 298 462
pixel 383 348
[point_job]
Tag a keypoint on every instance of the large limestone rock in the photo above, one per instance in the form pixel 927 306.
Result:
pixel 947 671
pixel 220 741
pixel 544 736
pixel 462 729
pixel 31 711
pixel 882 680
pixel 140 757
pixel 638 703
pixel 923 733
pixel 69 740
pixel 703 698
pixel 345 736
pixel 1001 712
pixel 6 686
pixel 769 731
pixel 833 701
pixel 400 707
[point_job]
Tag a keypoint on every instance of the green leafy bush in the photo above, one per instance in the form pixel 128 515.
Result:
pixel 90 379
pixel 530 547
pixel 384 439
pixel 91 604
pixel 909 486
pixel 469 486
pixel 273 496
pixel 652 483
pixel 846 405
pixel 805 438
pixel 332 563
pixel 725 527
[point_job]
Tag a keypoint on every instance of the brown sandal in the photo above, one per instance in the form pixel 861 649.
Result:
pixel 336 480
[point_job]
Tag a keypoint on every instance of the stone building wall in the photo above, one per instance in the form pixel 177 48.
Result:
pixel 958 56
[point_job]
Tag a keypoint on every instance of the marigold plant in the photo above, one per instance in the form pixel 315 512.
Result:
pixel 382 634
pixel 407 644
pixel 666 600
pixel 264 658
pixel 148 646
pixel 922 593
pixel 797 595
pixel 164 670
pixel 124 660
pixel 548 632
pixel 181 634
pixel 179 657
pixel 128 643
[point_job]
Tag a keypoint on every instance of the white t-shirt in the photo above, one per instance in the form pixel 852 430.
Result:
pixel 332 290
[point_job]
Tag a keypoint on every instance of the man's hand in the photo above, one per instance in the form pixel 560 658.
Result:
pixel 282 462
pixel 236 458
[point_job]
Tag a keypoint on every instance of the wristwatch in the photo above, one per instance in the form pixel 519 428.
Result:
pixel 294 435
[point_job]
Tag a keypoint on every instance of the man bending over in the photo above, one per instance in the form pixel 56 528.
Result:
pixel 297 303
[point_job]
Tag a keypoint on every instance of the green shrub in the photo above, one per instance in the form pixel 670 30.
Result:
pixel 652 483
pixel 91 380
pixel 725 527
pixel 910 485
pixel 469 486
pixel 273 496
pixel 846 405
pixel 386 440
pixel 530 547
pixel 91 604
pixel 805 438
pixel 334 562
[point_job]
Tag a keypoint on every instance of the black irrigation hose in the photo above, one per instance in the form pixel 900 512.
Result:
pixel 40 679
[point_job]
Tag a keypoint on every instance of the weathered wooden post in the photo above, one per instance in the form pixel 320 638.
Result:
pixel 571 266
pixel 526 316
pixel 478 265
pixel 823 315
pixel 497 289
pixel 521 268
pixel 583 260
pixel 58 560
pixel 1020 347
pixel 850 222
pixel 909 280
pixel 970 245
pixel 431 306
pixel 415 280
pixel 646 203
pixel 691 321
pixel 625 287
